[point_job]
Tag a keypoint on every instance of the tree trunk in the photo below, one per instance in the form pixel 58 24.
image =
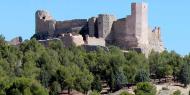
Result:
pixel 69 91
pixel 185 85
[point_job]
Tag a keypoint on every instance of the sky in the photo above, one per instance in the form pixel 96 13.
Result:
pixel 17 17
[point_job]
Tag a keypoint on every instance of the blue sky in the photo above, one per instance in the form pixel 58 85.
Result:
pixel 173 16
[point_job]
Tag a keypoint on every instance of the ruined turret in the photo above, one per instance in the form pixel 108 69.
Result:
pixel 44 22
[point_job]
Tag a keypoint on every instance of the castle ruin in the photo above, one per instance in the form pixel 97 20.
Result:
pixel 132 32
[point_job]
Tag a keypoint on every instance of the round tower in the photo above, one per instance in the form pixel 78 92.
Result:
pixel 44 22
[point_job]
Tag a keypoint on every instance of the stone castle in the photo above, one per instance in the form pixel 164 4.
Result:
pixel 132 32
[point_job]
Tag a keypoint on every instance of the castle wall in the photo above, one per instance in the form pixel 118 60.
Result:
pixel 44 22
pixel 105 23
pixel 140 12
pixel 67 26
pixel 155 42
pixel 119 33
pixel 69 40
pixel 92 26
pixel 130 36
pixel 96 41
pixel 131 32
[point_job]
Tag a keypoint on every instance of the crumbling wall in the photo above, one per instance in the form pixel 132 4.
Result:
pixel 69 25
pixel 44 22
pixel 69 40
pixel 95 41
pixel 155 42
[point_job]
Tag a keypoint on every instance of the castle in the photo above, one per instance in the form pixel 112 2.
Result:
pixel 131 32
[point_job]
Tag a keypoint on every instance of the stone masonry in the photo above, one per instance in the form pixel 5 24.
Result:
pixel 132 32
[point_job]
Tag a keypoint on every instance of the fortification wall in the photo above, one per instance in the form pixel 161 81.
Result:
pixel 155 42
pixel 95 41
pixel 44 22
pixel 105 23
pixel 69 40
pixel 92 26
pixel 140 12
pixel 66 26
pixel 131 32
pixel 119 33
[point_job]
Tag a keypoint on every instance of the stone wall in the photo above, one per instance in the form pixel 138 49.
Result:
pixel 92 26
pixel 105 23
pixel 131 32
pixel 119 33
pixel 95 41
pixel 44 22
pixel 140 12
pixel 155 41
pixel 69 39
pixel 68 26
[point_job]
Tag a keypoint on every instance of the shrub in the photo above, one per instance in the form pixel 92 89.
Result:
pixel 177 92
pixel 125 93
pixel 145 88
pixel 94 93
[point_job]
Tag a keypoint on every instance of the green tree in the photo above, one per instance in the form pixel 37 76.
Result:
pixel 163 70
pixel 134 63
pixel 85 79
pixel 55 88
pixel 142 76
pixel 184 76
pixel 145 88
pixel 125 93
pixel 95 93
pixel 2 40
pixel 96 84
pixel 25 86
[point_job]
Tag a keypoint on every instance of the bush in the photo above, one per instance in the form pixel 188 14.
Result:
pixel 177 92
pixel 125 93
pixel 94 93
pixel 145 88
pixel 96 84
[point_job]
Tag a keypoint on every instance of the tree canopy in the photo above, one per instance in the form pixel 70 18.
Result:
pixel 33 69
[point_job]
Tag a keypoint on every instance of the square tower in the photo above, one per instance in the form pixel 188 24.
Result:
pixel 139 12
pixel 105 23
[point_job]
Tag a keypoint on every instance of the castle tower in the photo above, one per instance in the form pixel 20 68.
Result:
pixel 44 22
pixel 140 17
pixel 105 23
